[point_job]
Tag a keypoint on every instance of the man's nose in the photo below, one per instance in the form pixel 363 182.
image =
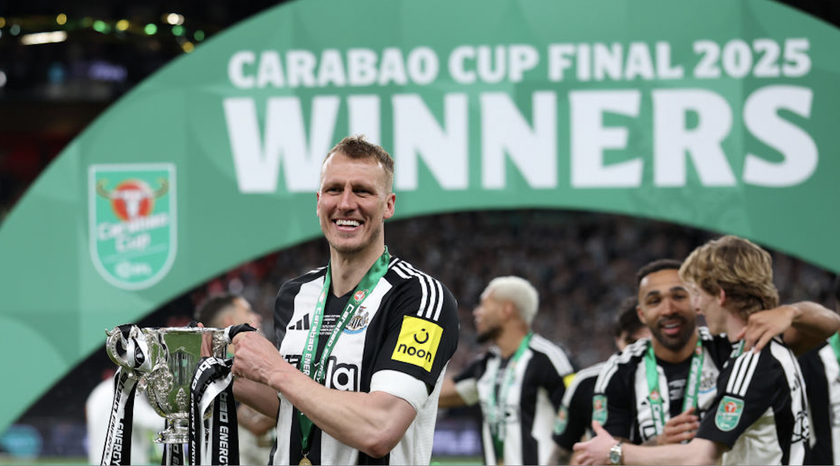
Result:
pixel 347 200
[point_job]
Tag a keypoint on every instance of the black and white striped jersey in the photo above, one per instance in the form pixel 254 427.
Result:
pixel 622 387
pixel 821 372
pixel 761 412
pixel 575 415
pixel 532 400
pixel 398 341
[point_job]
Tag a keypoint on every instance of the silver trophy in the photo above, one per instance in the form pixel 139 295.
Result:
pixel 173 356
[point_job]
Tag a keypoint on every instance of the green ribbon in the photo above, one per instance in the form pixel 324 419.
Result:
pixel 496 410
pixel 692 384
pixel 362 291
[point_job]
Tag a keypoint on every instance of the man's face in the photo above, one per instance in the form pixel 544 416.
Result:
pixel 353 202
pixel 488 318
pixel 665 307
pixel 708 305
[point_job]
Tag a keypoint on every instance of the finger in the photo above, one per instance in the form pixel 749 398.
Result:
pixel 596 427
pixel 761 343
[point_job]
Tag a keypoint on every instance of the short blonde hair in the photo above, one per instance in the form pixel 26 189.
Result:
pixel 518 291
pixel 739 267
pixel 357 147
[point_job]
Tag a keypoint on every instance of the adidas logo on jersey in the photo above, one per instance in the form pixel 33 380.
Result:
pixel 301 324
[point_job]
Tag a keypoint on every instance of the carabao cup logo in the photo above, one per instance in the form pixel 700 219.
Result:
pixel 132 222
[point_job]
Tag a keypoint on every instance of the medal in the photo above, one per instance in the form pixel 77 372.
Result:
pixel 305 462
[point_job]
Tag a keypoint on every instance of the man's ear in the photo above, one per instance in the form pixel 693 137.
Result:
pixel 509 310
pixel 721 297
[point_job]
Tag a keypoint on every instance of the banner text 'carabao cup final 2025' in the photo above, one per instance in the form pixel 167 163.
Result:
pixel 717 114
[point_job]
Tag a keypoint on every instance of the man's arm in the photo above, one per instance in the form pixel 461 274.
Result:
pixel 449 396
pixel 803 325
pixel 371 422
pixel 259 397
pixel 597 451
pixel 256 422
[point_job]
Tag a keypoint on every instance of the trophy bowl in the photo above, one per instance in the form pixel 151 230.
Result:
pixel 173 355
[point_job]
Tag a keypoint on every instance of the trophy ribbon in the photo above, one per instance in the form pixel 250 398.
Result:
pixel 117 449
pixel 134 351
pixel 213 381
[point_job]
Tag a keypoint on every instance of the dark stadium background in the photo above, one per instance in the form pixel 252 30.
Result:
pixel 582 263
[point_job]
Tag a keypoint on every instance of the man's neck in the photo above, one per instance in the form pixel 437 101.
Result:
pixel 347 270
pixel 510 339
pixel 734 325
pixel 675 356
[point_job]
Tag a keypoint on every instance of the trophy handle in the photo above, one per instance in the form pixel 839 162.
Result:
pixel 115 337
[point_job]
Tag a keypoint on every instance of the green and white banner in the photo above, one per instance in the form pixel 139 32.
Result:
pixel 717 114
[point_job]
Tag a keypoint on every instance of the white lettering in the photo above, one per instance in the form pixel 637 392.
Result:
pixel 457 66
pixel 532 149
pixel 673 139
pixel 590 139
pixel 559 60
pixel 417 134
pixel 798 149
pixel 257 165
pixel 270 70
pixel 236 72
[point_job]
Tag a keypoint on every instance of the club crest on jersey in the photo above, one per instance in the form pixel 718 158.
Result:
pixel 729 413
pixel 418 342
pixel 561 421
pixel 358 322
pixel 599 408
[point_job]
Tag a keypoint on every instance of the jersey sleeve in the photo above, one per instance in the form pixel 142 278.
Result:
pixel 575 413
pixel 466 383
pixel 746 388
pixel 613 399
pixel 423 331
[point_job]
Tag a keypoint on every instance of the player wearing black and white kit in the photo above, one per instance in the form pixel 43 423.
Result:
pixel 575 414
pixel 532 401
pixel 377 351
pixel 624 387
pixel 761 412
pixel 821 371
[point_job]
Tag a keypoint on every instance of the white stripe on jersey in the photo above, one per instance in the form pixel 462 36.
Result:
pixel 742 373
pixel 583 374
pixel 431 300
pixel 557 356
pixel 436 300
pixel 611 366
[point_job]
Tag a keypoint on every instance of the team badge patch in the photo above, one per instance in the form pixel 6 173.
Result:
pixel 561 421
pixel 729 413
pixel 359 321
pixel 418 342
pixel 599 408
pixel 132 227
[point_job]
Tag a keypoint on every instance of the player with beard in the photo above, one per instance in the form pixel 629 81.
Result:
pixel 760 411
pixel 656 391
pixel 519 381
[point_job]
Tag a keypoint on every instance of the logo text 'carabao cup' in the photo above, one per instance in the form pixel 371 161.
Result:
pixel 132 222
